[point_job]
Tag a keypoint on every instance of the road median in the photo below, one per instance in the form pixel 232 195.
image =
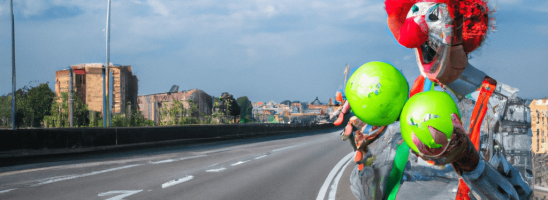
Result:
pixel 52 141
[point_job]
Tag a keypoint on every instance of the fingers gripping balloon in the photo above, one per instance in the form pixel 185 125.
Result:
pixel 424 111
pixel 376 93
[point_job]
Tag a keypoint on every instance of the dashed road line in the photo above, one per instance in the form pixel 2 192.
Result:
pixel 239 163
pixel 69 177
pixel 177 181
pixel 281 149
pixel 123 193
pixel 162 161
pixel 8 190
pixel 173 160
pixel 216 170
pixel 260 157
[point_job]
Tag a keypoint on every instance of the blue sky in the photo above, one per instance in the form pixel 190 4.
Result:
pixel 263 49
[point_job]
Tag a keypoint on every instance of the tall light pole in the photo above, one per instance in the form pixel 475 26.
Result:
pixel 71 100
pixel 105 110
pixel 12 68
pixel 110 84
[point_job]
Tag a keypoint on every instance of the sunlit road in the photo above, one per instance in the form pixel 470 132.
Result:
pixel 297 166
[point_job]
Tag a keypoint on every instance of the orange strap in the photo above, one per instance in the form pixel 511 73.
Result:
pixel 480 109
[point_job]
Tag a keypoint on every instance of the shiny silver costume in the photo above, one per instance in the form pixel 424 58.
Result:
pixel 503 170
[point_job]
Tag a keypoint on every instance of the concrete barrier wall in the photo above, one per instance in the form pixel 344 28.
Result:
pixel 73 138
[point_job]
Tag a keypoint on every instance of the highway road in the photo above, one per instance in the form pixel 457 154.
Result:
pixel 308 165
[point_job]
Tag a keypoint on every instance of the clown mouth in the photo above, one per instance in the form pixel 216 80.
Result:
pixel 428 54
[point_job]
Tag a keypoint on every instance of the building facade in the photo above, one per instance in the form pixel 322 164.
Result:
pixel 87 82
pixel 539 145
pixel 539 125
pixel 149 105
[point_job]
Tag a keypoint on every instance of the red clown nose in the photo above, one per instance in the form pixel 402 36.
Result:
pixel 413 34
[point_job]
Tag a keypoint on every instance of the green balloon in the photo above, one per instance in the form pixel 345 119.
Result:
pixel 432 108
pixel 376 93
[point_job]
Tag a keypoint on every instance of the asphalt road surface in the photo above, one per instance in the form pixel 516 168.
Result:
pixel 307 165
pixel 298 166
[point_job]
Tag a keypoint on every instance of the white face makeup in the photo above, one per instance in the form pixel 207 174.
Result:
pixel 433 56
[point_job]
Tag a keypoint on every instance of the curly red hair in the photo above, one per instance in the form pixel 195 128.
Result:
pixel 474 15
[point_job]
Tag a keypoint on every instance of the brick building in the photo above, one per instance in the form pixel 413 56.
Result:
pixel 149 105
pixel 87 84
pixel 539 125
pixel 539 144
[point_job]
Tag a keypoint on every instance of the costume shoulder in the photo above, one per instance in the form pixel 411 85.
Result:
pixel 505 130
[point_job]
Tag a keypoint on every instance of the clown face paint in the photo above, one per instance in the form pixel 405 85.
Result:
pixel 438 58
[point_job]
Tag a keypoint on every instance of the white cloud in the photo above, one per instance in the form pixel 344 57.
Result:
pixel 31 7
pixel 158 7
pixel 269 10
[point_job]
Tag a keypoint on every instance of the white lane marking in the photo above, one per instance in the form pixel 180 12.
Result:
pixel 260 157
pixel 177 181
pixel 239 163
pixel 124 193
pixel 220 150
pixel 323 189
pixel 190 157
pixel 216 170
pixel 335 184
pixel 179 159
pixel 4 191
pixel 64 178
pixel 281 149
pixel 162 161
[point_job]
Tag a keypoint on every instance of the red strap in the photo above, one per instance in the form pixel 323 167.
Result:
pixel 463 191
pixel 487 88
pixel 480 109
pixel 417 86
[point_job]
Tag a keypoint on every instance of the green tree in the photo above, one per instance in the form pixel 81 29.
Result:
pixel 5 111
pixel 32 104
pixel 177 114
pixel 246 109
pixel 60 112
pixel 39 100
pixel 131 119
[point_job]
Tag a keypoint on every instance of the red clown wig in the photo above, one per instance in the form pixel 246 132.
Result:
pixel 473 15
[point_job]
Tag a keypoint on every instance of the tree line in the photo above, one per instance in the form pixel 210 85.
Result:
pixel 38 106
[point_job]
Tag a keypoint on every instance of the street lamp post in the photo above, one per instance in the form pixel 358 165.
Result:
pixel 106 112
pixel 71 99
pixel 110 84
pixel 12 68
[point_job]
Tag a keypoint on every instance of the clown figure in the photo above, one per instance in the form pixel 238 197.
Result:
pixel 443 33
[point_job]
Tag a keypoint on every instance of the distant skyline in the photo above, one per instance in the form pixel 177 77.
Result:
pixel 265 50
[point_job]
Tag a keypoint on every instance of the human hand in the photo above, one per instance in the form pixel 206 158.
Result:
pixel 458 150
pixel 354 132
pixel 343 110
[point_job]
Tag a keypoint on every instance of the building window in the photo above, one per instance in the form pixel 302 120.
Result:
pixel 538 139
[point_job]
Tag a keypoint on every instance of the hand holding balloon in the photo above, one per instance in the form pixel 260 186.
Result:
pixel 360 136
pixel 431 127
pixel 376 93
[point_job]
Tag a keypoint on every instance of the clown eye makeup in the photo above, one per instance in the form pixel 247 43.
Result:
pixel 433 13
pixel 415 9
